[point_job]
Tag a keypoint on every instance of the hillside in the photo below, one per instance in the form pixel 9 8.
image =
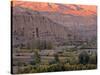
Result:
pixel 55 27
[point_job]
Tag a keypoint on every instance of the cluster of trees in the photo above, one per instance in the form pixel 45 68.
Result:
pixel 85 61
pixel 56 67
pixel 83 58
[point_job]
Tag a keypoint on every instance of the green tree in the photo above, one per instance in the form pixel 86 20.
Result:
pixel 37 57
pixel 56 58
pixel 83 57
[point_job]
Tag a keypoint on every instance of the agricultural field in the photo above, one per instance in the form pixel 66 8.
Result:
pixel 68 58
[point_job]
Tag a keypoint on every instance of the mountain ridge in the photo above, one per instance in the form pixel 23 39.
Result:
pixel 55 7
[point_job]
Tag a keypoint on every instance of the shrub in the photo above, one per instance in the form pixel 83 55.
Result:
pixel 93 59
pixel 52 62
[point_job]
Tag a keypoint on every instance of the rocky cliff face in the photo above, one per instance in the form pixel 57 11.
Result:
pixel 28 25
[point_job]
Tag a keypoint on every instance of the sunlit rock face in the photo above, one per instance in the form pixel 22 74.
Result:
pixel 56 7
